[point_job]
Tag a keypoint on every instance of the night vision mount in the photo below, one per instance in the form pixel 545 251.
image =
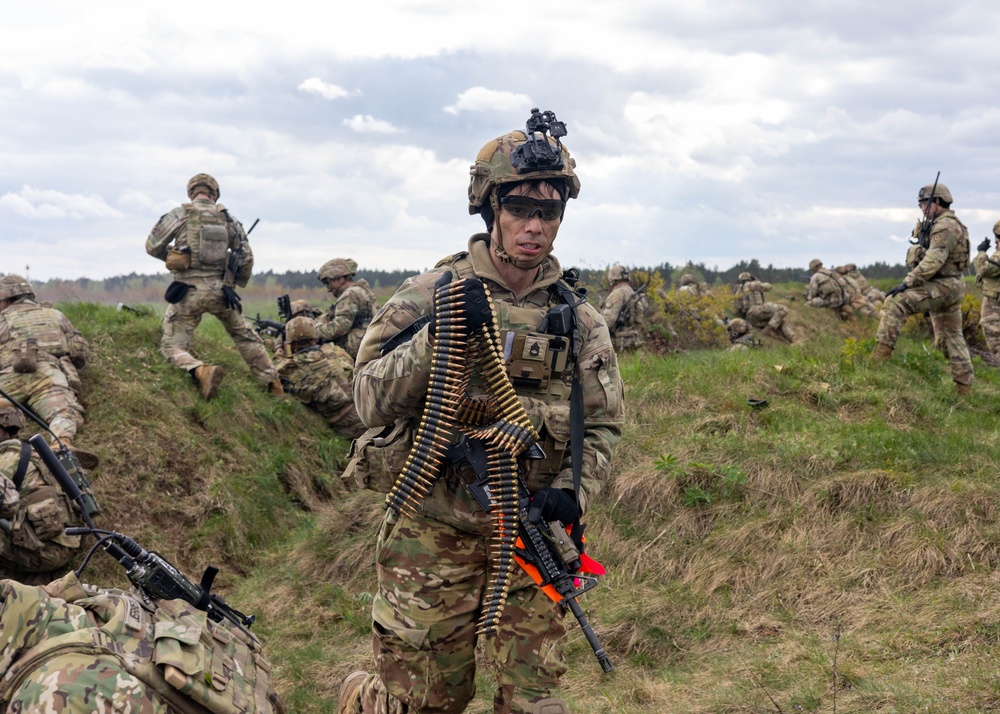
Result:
pixel 537 154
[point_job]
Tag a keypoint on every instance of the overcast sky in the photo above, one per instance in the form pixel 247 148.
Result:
pixel 705 131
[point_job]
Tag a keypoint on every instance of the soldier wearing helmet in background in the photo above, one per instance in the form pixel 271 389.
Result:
pixel 344 323
pixel 988 280
pixel 304 308
pixel 433 567
pixel 871 292
pixel 320 376
pixel 828 289
pixel 40 352
pixel 34 511
pixel 769 317
pixel 934 285
pixel 691 286
pixel 623 309
pixel 856 297
pixel 740 338
pixel 196 240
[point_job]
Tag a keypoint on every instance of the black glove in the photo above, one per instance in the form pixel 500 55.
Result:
pixel 231 299
pixel 897 290
pixel 553 504
pixel 476 304
pixel 985 245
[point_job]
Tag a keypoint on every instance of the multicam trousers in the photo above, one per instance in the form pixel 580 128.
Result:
pixel 181 320
pixel 990 322
pixel 47 393
pixel 767 314
pixel 943 300
pixel 432 578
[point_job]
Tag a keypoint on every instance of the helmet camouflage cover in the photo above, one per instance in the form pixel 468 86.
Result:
pixel 203 180
pixel 688 279
pixel 744 276
pixel 10 416
pixel 12 286
pixel 300 308
pixel 301 329
pixel 940 191
pixel 617 272
pixel 336 268
pixel 738 326
pixel 815 264
pixel 506 159
pixel 996 228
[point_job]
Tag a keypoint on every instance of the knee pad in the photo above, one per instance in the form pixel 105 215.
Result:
pixel 550 706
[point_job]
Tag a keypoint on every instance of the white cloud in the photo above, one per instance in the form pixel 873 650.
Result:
pixel 367 124
pixel 36 203
pixel 481 99
pixel 315 85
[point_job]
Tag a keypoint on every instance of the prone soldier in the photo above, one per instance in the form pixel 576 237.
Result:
pixel 345 321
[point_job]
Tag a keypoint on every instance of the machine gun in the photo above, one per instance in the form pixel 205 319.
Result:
pixel 153 576
pixel 269 328
pixel 625 314
pixel 233 301
pixel 552 557
pixel 924 239
pixel 284 308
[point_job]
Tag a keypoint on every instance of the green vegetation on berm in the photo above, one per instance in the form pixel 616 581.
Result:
pixel 837 549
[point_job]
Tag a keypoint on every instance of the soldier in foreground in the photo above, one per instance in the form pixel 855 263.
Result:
pixel 434 566
pixel 33 509
pixel 39 348
pixel 988 280
pixel 208 254
pixel 622 309
pixel 769 317
pixel 345 321
pixel 934 284
pixel 827 289
pixel 320 376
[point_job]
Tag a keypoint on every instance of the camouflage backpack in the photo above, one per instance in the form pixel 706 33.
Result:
pixel 69 647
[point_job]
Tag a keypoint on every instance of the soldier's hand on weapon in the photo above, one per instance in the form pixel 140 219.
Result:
pixel 552 504
pixel 897 290
pixel 985 245
pixel 231 299
pixel 476 305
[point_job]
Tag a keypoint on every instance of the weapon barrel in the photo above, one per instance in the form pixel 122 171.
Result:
pixel 588 632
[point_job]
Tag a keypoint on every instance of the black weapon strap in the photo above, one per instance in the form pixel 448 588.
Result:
pixel 404 335
pixel 22 465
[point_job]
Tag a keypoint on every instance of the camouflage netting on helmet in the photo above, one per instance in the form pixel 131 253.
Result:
pixel 13 286
pixel 336 268
pixel 203 181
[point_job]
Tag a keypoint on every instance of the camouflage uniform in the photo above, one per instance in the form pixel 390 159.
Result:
pixel 857 298
pixel 53 332
pixel 827 289
pixel 344 323
pixel 739 335
pixel 934 285
pixel 198 226
pixel 874 295
pixel 37 512
pixel 988 279
pixel 69 648
pixel 432 569
pixel 769 316
pixel 320 377
pixel 627 336
pixel 691 286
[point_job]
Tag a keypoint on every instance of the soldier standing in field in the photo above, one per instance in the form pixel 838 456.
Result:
pixel 988 280
pixel 934 284
pixel 346 320
pixel 433 567
pixel 197 241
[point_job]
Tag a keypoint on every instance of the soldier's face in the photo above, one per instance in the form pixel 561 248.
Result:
pixel 528 238
pixel 335 285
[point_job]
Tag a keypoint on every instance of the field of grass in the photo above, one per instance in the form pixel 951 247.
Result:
pixel 835 550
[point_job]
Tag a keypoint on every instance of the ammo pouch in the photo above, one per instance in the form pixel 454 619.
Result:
pixel 378 456
pixel 25 356
pixel 176 292
pixel 178 258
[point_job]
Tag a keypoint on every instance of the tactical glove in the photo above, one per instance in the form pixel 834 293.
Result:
pixel 231 299
pixel 553 504
pixel 985 245
pixel 897 290
pixel 476 305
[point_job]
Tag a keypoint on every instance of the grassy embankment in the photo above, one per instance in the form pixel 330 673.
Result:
pixel 836 549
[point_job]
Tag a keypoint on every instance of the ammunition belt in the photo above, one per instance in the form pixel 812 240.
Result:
pixel 496 417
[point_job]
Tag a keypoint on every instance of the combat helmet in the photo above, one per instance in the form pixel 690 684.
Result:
pixel 996 228
pixel 744 277
pixel 617 272
pixel 303 308
pixel 301 329
pixel 851 267
pixel 815 264
pixel 203 181
pixel 940 191
pixel 688 279
pixel 738 326
pixel 11 418
pixel 336 268
pixel 14 286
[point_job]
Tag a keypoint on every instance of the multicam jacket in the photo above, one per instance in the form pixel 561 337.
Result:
pixel 58 341
pixel 344 323
pixel 829 287
pixel 320 377
pixel 393 386
pixel 948 255
pixel 988 272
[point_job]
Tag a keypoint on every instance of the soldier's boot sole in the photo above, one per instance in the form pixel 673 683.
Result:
pixel 209 377
pixel 881 353
pixel 349 701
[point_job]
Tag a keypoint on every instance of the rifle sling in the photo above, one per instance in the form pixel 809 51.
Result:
pixel 22 465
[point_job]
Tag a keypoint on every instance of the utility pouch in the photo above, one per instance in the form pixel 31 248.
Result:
pixel 178 258
pixel 378 456
pixel 176 292
pixel 25 356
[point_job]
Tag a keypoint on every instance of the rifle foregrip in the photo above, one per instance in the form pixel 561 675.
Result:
pixel 53 465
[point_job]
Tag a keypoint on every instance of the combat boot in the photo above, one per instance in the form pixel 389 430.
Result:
pixel 209 377
pixel 881 353
pixel 964 390
pixel 276 389
pixel 349 701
